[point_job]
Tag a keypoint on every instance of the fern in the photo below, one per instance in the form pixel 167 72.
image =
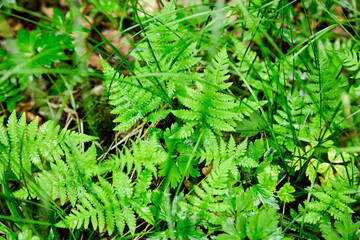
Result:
pixel 24 147
pixel 141 96
pixel 190 174
pixel 324 87
pixel 322 93
pixel 9 94
pixel 314 103
pixel 114 205
pixel 208 202
pixel 333 202
pixel 350 60
pixel 209 110
pixel 145 155
pixel 70 173
pixel 215 205
pixel 131 101
pixel 236 154
pixel 168 48
pixel 297 115
pixel 306 229
pixel 65 180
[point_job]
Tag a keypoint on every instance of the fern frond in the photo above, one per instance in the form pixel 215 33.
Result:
pixel 315 102
pixel 208 202
pixel 208 108
pixel 327 200
pixel 65 180
pixel 345 227
pixel 131 101
pixel 166 49
pixel 222 152
pixel 24 147
pixel 114 205
pixel 9 94
pixel 168 43
pixel 350 60
pixel 145 155
pixel 324 86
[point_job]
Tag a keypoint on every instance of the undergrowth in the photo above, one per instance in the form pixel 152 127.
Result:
pixel 223 120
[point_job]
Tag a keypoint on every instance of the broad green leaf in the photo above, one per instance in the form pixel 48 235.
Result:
pixel 285 193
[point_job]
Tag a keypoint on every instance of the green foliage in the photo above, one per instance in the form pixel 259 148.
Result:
pixel 316 101
pixel 28 147
pixel 249 62
pixel 65 180
pixel 167 48
pixel 236 154
pixel 38 49
pixel 350 60
pixel 346 228
pixel 328 201
pixel 9 94
pixel 233 121
pixel 285 192
pixel 254 123
pixel 28 57
pixel 209 110
pixel 43 47
pixel 208 201
pixel 145 155
pixel 114 205
pixel 178 162
pixel 263 225
pixel 131 100
pixel 322 87
pixel 141 96
pixel 182 226
pixel 337 164
pixel 27 234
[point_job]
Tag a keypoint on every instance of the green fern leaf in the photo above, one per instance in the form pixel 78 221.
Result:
pixel 25 146
pixel 209 200
pixel 68 180
pixel 327 200
pixel 350 60
pixel 9 94
pixel 114 205
pixel 208 108
pixel 145 155
pixel 131 101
